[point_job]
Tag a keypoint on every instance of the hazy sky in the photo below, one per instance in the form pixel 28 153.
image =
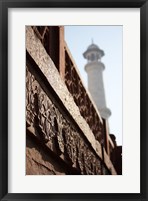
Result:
pixel 109 39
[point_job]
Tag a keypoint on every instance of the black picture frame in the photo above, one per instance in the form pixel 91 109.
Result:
pixel 4 6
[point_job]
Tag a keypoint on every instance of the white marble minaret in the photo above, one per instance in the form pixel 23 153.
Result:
pixel 94 69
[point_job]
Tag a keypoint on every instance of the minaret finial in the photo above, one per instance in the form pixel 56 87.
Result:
pixel 92 41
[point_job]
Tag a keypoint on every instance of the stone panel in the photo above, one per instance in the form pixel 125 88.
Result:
pixel 40 163
pixel 57 132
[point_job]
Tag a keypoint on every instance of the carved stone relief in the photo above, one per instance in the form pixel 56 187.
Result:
pixel 51 126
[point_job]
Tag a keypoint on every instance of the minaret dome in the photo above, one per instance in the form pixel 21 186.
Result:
pixel 93 53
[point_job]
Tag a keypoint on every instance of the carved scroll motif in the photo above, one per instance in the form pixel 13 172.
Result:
pixel 51 126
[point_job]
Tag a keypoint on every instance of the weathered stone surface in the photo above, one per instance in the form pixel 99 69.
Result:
pixel 40 163
pixel 48 128
pixel 56 131
pixel 45 64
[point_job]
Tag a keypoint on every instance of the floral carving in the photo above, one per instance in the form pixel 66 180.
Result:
pixel 51 126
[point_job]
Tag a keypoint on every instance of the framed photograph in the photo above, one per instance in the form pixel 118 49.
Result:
pixel 73 103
